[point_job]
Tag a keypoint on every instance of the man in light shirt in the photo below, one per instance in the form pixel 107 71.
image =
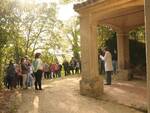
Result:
pixel 107 58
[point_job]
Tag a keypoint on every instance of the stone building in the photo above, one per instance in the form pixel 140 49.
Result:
pixel 122 16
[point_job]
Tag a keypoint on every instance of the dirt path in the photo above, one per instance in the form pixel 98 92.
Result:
pixel 62 96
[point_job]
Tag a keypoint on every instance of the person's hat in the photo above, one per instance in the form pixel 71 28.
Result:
pixel 37 53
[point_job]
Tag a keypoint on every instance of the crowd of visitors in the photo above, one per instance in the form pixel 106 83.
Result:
pixel 28 73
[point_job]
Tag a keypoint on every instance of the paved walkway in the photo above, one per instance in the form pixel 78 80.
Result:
pixel 62 96
pixel 129 93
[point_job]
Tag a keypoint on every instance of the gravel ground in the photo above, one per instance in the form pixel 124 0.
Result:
pixel 62 96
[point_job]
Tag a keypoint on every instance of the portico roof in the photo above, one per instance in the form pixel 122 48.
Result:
pixel 125 14
pixel 86 3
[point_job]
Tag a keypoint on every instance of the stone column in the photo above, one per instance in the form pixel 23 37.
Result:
pixel 91 83
pixel 123 55
pixel 147 27
pixel 123 50
pixel 126 51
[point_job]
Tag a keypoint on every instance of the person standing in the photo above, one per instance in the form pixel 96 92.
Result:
pixel 101 62
pixel 66 67
pixel 72 65
pixel 59 69
pixel 38 71
pixel 28 64
pixel 107 58
pixel 114 61
pixel 24 71
pixel 52 70
pixel 46 71
pixel 10 75
pixel 77 67
pixel 19 76
pixel 30 75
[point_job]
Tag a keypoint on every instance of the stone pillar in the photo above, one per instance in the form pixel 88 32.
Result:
pixel 91 83
pixel 123 50
pixel 126 51
pixel 147 27
pixel 123 55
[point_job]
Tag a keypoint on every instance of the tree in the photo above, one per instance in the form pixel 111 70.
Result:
pixel 5 28
pixel 22 29
pixel 37 25
pixel 70 1
pixel 106 37
pixel 71 31
pixel 26 28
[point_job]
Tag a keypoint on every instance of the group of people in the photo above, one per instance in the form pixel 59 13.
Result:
pixel 72 67
pixel 25 73
pixel 54 70
pixel 108 64
pixel 28 73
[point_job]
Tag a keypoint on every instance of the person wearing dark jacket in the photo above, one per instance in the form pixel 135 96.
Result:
pixel 114 61
pixel 66 67
pixel 10 75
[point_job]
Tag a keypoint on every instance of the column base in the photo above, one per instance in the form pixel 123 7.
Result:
pixel 123 74
pixel 92 87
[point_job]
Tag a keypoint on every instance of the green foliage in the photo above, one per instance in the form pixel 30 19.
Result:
pixel 71 30
pixel 37 26
pixel 138 34
pixel 137 45
pixel 25 28
pixel 106 37
pixel 5 28
pixel 48 57
pixel 70 1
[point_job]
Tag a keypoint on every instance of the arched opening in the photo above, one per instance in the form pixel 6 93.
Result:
pixel 106 38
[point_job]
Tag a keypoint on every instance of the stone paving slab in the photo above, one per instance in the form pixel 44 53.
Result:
pixel 129 93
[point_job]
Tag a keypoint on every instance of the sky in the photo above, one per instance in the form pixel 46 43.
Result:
pixel 65 11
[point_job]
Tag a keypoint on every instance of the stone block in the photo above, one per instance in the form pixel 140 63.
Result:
pixel 122 75
pixel 92 87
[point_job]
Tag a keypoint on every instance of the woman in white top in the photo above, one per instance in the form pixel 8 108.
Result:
pixel 107 58
pixel 38 71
